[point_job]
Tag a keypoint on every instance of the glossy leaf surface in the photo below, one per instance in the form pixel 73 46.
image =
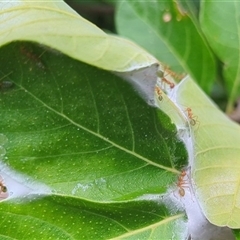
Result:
pixel 83 135
pixel 60 217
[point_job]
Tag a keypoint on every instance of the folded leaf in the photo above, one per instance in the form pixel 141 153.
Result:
pixel 56 25
pixel 216 156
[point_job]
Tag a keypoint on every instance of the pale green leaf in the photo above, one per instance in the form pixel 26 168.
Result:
pixel 215 160
pixel 56 25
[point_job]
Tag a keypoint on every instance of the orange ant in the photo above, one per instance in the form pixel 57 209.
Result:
pixel 182 183
pixel 173 74
pixel 159 93
pixel 163 79
pixel 193 119
pixel 3 188
pixel 171 84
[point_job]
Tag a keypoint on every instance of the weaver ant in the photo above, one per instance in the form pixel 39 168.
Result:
pixel 159 93
pixel 3 189
pixel 192 118
pixel 182 183
pixel 171 84
pixel 173 74
pixel 164 80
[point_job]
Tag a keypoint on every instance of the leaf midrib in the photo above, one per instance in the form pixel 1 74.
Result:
pixel 99 135
pixel 153 226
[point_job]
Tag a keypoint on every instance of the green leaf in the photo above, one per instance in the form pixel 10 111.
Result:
pixel 84 137
pixel 237 234
pixel 215 158
pixel 221 23
pixel 170 34
pixel 56 25
pixel 60 217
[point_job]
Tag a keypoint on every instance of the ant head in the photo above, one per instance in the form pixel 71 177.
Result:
pixel 181 192
pixel 192 121
pixel 4 189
